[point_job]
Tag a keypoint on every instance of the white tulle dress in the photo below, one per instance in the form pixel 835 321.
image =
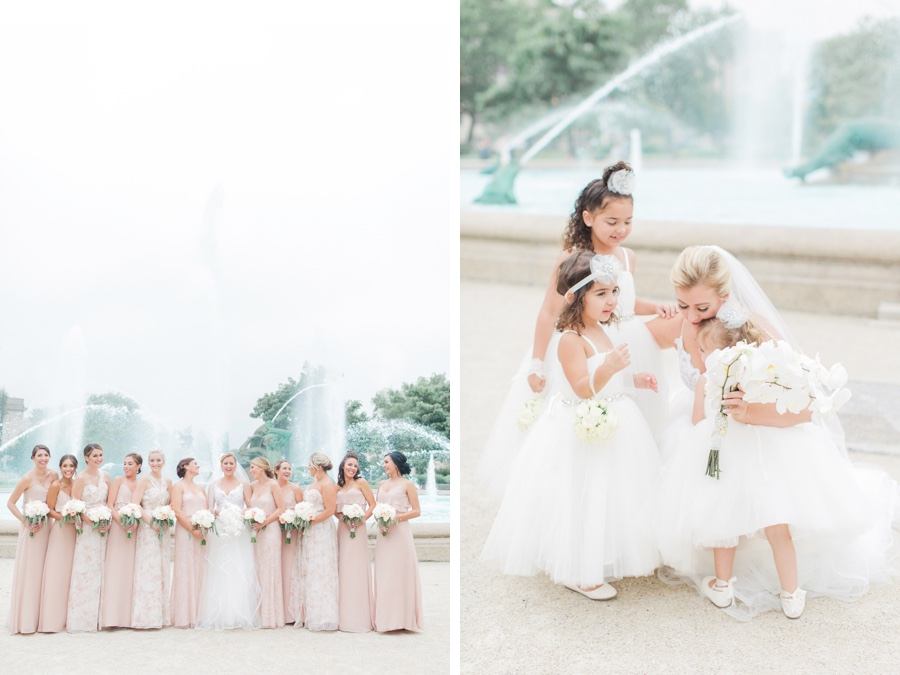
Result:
pixel 839 513
pixel 582 512
pixel 230 595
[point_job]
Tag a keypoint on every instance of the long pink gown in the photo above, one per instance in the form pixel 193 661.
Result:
pixel 315 588
pixel 118 577
pixel 268 565
pixel 57 572
pixel 150 599
pixel 25 598
pixel 87 567
pixel 354 569
pixel 288 557
pixel 398 590
pixel 190 563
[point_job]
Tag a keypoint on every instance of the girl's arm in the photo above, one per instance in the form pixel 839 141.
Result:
pixel 664 331
pixel 329 497
pixel 248 494
pixel 370 498
pixel 699 398
pixel 413 495
pixel 52 498
pixel 574 363
pixel 21 486
pixel 546 323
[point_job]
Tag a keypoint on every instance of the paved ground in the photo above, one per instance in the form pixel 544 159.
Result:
pixel 516 624
pixel 288 650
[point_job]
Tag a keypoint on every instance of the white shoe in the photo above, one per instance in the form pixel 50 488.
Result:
pixel 602 592
pixel 793 603
pixel 719 595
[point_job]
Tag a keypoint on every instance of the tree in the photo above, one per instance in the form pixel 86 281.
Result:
pixel 269 404
pixel 425 401
pixel 354 413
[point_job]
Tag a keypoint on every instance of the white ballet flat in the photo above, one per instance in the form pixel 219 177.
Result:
pixel 793 604
pixel 717 595
pixel 602 592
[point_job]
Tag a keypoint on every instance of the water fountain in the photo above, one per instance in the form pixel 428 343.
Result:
pixel 431 479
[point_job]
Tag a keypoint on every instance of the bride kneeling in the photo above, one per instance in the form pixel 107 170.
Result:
pixel 230 596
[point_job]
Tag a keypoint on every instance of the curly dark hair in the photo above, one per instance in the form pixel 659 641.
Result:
pixel 341 478
pixel 595 195
pixel 572 270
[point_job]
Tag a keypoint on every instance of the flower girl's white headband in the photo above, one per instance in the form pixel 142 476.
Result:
pixel 621 182
pixel 732 314
pixel 604 268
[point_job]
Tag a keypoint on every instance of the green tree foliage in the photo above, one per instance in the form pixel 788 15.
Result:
pixel 354 413
pixel 425 401
pixel 269 404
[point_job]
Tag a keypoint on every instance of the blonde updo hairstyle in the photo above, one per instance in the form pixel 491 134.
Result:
pixel 263 464
pixel 321 460
pixel 225 455
pixel 702 266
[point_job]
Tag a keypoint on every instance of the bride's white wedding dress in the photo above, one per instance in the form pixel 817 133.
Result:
pixel 230 595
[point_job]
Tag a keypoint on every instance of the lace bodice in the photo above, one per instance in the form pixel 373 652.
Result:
pixel 222 499
pixel 264 501
pixel 94 495
pixel 350 496
pixel 155 494
pixel 396 496
pixel 314 497
pixel 687 370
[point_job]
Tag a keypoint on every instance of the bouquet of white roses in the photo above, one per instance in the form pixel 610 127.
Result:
pixel 36 513
pixel 593 421
pixel 772 372
pixel 385 516
pixel 287 518
pixel 129 515
pixel 531 409
pixel 204 521
pixel 251 516
pixel 72 512
pixel 304 513
pixel 101 516
pixel 230 521
pixel 353 515
pixel 164 518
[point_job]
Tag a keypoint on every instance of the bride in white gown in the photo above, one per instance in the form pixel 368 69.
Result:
pixel 230 595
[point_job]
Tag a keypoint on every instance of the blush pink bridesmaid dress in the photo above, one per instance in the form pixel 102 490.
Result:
pixel 398 590
pixel 25 598
pixel 354 569
pixel 190 563
pixel 87 567
pixel 57 572
pixel 150 600
pixel 118 577
pixel 267 550
pixel 288 558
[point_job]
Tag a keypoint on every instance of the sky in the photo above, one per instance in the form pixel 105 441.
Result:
pixel 196 198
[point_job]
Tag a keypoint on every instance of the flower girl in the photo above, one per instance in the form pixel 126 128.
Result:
pixel 789 486
pixel 579 504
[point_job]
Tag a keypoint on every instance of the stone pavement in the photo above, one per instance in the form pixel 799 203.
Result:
pixel 527 624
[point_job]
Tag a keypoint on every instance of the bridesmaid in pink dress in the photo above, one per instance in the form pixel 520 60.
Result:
pixel 315 589
pixel 292 495
pixel 187 578
pixel 25 599
pixel 60 551
pixel 354 564
pixel 118 579
pixel 92 487
pixel 398 590
pixel 150 599
pixel 263 493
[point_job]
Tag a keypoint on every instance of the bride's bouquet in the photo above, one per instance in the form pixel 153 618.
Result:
pixel 772 372
pixel 164 518
pixel 230 521
pixel 129 515
pixel 36 513
pixel 72 512
pixel 287 518
pixel 254 515
pixel 352 516
pixel 593 421
pixel 531 410
pixel 304 513
pixel 204 521
pixel 101 516
pixel 385 515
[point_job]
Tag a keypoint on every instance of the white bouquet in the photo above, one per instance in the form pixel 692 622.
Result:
pixel 101 516
pixel 129 515
pixel 251 516
pixel 72 512
pixel 772 372
pixel 204 521
pixel 531 409
pixel 287 518
pixel 384 515
pixel 230 521
pixel 304 513
pixel 36 513
pixel 593 421
pixel 353 515
pixel 164 518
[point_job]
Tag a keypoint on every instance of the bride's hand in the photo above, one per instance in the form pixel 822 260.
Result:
pixel 736 407
pixel 536 382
